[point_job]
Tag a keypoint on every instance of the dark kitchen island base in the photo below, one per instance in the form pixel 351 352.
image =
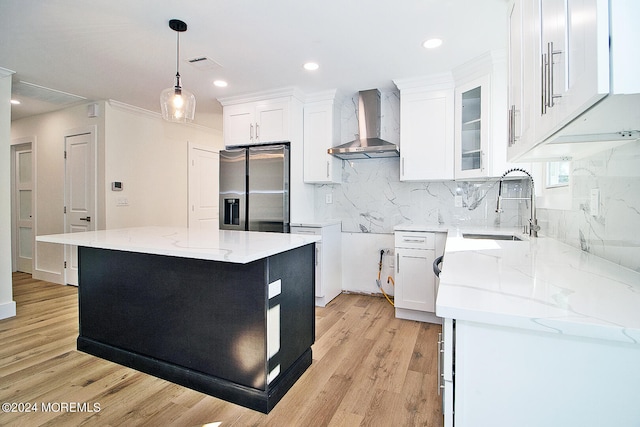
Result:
pixel 239 332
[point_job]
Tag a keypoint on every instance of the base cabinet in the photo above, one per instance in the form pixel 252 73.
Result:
pixel 328 260
pixel 506 376
pixel 415 283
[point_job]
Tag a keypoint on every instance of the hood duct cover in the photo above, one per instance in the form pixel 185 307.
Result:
pixel 368 145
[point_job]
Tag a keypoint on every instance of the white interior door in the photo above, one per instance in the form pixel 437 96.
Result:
pixel 203 188
pixel 23 207
pixel 80 194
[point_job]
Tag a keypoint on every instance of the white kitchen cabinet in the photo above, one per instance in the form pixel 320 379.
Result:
pixel 328 258
pixel 446 370
pixel 426 128
pixel 472 124
pixel 480 122
pixel 506 376
pixel 321 132
pixel 415 283
pixel 573 54
pixel 256 122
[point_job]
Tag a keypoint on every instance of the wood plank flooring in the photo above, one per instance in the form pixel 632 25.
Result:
pixel 369 369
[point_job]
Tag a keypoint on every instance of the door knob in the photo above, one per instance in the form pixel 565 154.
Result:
pixel 88 219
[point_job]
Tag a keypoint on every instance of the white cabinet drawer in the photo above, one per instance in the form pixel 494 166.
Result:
pixel 306 230
pixel 415 240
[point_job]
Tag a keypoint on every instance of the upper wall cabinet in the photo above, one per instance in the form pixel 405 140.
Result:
pixel 568 60
pixel 426 128
pixel 256 122
pixel 480 124
pixel 321 132
pixel 272 116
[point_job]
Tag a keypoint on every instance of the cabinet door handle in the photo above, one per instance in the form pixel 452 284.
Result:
pixel 402 172
pixel 544 77
pixel 509 130
pixel 512 125
pixel 327 169
pixel 550 54
pixel 439 362
pixel 397 262
pixel 317 256
pixel 251 131
pixel 257 131
pixel 413 240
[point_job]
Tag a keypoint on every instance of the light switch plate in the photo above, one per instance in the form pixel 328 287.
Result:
pixel 595 202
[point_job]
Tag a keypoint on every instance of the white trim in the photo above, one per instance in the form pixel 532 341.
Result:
pixel 48 276
pixel 8 309
pixel 261 96
pixel 117 105
pixel 5 72
pixel 13 145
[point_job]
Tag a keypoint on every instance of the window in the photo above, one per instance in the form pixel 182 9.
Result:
pixel 558 174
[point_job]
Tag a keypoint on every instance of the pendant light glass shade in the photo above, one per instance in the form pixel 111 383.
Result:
pixel 177 105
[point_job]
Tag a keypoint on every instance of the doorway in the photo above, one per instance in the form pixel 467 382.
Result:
pixel 22 201
pixel 203 188
pixel 80 193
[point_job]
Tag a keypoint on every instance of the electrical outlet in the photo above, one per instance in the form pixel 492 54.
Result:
pixel 328 198
pixel 457 201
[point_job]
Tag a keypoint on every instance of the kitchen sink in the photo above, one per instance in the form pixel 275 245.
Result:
pixel 491 236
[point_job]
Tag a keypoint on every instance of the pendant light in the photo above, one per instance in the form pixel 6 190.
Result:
pixel 178 105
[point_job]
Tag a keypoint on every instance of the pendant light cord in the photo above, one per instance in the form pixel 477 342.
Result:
pixel 178 53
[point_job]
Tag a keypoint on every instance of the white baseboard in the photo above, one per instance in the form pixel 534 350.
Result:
pixel 8 309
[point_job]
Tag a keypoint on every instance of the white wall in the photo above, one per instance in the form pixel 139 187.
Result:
pixel 149 157
pixel 48 131
pixel 360 259
pixel 134 146
pixel 7 305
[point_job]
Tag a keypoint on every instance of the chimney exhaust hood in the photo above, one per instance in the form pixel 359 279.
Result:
pixel 368 145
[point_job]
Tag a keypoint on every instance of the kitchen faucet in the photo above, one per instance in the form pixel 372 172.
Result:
pixel 533 222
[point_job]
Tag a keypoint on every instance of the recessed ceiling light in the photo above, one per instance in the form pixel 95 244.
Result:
pixel 220 83
pixel 311 66
pixel 15 102
pixel 432 43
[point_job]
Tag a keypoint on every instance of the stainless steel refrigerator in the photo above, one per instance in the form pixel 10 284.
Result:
pixel 254 188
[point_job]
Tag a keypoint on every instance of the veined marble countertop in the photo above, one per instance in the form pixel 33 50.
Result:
pixel 217 245
pixel 538 284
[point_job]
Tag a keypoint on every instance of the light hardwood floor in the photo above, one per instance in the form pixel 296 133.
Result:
pixel 368 369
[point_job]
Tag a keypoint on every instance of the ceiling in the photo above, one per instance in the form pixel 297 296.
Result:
pixel 125 50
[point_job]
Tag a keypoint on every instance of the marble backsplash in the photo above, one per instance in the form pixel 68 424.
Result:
pixel 372 199
pixel 614 233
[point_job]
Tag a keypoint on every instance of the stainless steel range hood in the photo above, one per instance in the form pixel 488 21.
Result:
pixel 368 145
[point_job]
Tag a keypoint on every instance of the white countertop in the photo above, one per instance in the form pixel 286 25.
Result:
pixel 217 245
pixel 538 284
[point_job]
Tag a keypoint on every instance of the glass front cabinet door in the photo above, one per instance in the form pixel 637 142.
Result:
pixel 472 122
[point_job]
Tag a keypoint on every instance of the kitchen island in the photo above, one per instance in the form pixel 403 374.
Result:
pixel 227 313
pixel 537 332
